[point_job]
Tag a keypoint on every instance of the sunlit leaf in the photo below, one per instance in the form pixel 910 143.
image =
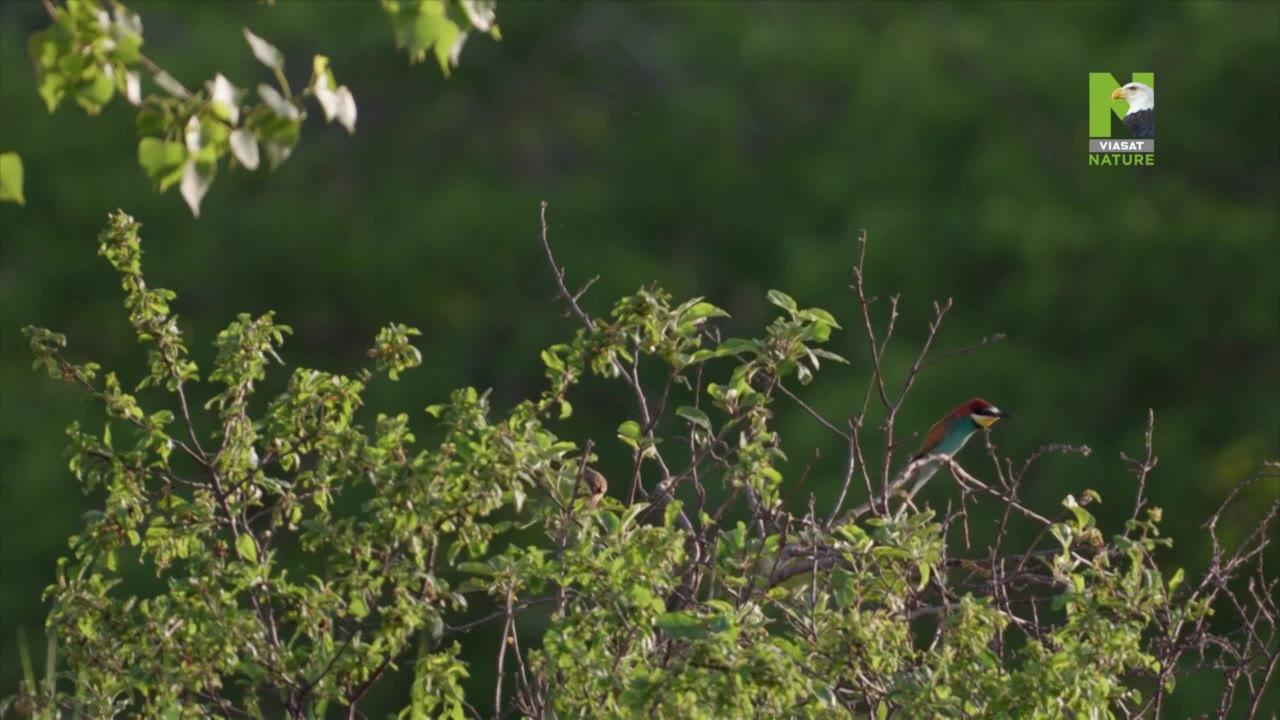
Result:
pixel 11 178
pixel 244 146
pixel 265 52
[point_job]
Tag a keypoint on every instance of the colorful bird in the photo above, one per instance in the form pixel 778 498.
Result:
pixel 949 435
pixel 1141 118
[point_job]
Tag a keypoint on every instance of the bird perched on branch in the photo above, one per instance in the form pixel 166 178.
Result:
pixel 1141 118
pixel 595 486
pixel 949 435
pixel 946 438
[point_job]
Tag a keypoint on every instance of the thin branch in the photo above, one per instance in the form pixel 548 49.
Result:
pixel 558 271
pixel 1141 469
pixel 850 462
pixel 814 413
pixel 507 629
pixel 631 376
pixel 988 340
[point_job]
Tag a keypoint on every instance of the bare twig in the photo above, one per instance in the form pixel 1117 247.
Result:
pixel 988 340
pixel 1141 469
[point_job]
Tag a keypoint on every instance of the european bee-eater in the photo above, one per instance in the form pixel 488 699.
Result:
pixel 949 435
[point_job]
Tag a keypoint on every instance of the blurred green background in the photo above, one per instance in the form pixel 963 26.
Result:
pixel 719 149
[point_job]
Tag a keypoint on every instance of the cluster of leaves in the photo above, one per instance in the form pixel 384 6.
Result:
pixel 93 50
pixel 89 54
pixel 440 26
pixel 184 137
pixel 690 592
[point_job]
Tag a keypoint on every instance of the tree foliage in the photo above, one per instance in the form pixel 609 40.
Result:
pixel 693 590
pixel 92 52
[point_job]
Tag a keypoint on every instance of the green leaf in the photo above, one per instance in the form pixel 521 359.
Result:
pixel 266 53
pixel 632 513
pixel 782 300
pixel 280 142
pixel 422 26
pixel 842 583
pixel 671 512
pixel 246 548
pixel 1084 518
pixel 629 433
pixel 162 161
pixel 641 596
pixel 356 606
pixel 687 626
pixel 1062 533
pixel 53 88
pixel 820 315
pixel 95 90
pixel 552 360
pixel 820 331
pixel 828 355
pixel 733 346
pixel 43 48
pixel 610 521
pixel 476 568
pixel 321 75
pixel 11 178
pixel 695 416
pixel 702 311
pixel 683 625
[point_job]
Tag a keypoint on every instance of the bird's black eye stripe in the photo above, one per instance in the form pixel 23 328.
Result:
pixel 985 411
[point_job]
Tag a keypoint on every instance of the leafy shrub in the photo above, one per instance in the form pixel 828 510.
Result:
pixel 691 590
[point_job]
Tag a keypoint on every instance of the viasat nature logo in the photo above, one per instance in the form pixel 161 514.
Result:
pixel 1122 119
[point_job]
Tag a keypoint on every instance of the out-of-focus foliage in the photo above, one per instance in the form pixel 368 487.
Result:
pixel 654 614
pixel 11 178
pixel 93 50
pixel 440 26
pixel 88 54
pixel 720 151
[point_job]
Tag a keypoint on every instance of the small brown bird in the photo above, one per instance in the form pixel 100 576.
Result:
pixel 595 485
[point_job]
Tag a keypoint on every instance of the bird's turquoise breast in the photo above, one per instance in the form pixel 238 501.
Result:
pixel 957 435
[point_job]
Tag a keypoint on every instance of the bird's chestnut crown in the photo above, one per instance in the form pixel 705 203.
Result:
pixel 983 413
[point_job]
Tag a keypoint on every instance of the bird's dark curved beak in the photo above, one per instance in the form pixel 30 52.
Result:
pixel 1004 415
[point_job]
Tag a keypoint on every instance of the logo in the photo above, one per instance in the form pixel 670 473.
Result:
pixel 1122 119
